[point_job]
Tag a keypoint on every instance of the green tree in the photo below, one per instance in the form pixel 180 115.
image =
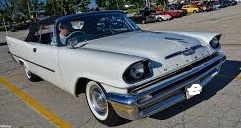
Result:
pixel 59 7
pixel 65 7
pixel 49 8
pixel 7 10
pixel 34 5
pixel 83 5
pixel 102 3
pixel 138 3
pixel 115 4
pixel 22 6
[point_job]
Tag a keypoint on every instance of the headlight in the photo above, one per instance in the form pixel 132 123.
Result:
pixel 136 72
pixel 215 43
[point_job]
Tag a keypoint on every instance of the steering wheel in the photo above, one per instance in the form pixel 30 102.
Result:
pixel 77 36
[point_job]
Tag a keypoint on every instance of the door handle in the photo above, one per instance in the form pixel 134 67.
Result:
pixel 34 49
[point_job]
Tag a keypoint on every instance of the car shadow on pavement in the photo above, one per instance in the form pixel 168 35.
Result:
pixel 5 43
pixel 229 71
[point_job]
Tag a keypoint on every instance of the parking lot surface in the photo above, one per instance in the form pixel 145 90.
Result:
pixel 218 106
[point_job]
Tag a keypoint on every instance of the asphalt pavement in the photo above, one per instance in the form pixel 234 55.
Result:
pixel 218 106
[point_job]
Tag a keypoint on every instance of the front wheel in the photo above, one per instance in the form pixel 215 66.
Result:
pixel 143 21
pixel 194 11
pixel 99 106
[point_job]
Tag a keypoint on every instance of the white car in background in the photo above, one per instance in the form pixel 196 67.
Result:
pixel 163 17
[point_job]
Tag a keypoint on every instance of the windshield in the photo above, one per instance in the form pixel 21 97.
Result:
pixel 89 27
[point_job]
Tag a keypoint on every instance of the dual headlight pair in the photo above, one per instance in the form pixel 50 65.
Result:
pixel 137 72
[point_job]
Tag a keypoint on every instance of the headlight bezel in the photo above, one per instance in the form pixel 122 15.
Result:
pixel 147 72
pixel 214 43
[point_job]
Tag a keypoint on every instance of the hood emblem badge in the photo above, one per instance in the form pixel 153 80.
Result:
pixel 186 52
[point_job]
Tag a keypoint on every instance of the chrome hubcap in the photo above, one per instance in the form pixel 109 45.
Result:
pixel 98 100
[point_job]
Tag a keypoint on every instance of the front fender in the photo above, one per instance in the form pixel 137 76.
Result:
pixel 203 37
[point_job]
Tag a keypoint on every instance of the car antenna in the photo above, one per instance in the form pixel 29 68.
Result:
pixel 5 26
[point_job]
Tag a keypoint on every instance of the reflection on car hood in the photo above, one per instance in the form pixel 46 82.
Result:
pixel 155 46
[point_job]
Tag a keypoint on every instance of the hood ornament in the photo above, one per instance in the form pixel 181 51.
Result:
pixel 176 39
pixel 186 52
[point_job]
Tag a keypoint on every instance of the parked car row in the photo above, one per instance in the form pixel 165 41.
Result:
pixel 156 14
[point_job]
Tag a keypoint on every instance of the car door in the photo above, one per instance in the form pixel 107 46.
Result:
pixel 152 17
pixel 44 60
pixel 19 49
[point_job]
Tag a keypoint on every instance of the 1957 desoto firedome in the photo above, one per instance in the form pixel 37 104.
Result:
pixel 124 71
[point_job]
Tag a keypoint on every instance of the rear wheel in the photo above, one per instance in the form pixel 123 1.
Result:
pixel 99 106
pixel 143 21
pixel 160 19
pixel 194 11
pixel 32 77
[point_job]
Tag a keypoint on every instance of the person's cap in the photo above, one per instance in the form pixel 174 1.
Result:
pixel 66 25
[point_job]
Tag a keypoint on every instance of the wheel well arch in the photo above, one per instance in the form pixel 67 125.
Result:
pixel 20 62
pixel 81 85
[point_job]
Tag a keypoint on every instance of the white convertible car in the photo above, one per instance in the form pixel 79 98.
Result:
pixel 162 17
pixel 124 71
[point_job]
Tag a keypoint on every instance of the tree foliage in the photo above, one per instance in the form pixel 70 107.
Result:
pixel 137 3
pixel 102 3
pixel 64 7
pixel 7 10
pixel 22 6
pixel 19 10
pixel 82 5
pixel 110 4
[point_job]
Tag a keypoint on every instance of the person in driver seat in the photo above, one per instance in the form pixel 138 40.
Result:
pixel 65 28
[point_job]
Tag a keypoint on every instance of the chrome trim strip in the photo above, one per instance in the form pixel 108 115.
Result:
pixel 163 105
pixel 32 62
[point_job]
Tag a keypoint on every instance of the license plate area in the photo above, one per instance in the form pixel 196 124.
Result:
pixel 193 89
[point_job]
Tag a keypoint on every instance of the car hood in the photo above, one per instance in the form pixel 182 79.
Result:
pixel 163 49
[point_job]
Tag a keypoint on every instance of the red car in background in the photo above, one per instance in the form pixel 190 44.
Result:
pixel 174 14
pixel 203 7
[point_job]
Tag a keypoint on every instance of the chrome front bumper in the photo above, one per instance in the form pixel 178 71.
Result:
pixel 163 94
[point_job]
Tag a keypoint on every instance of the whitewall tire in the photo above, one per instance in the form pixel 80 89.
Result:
pixel 99 106
pixel 96 100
